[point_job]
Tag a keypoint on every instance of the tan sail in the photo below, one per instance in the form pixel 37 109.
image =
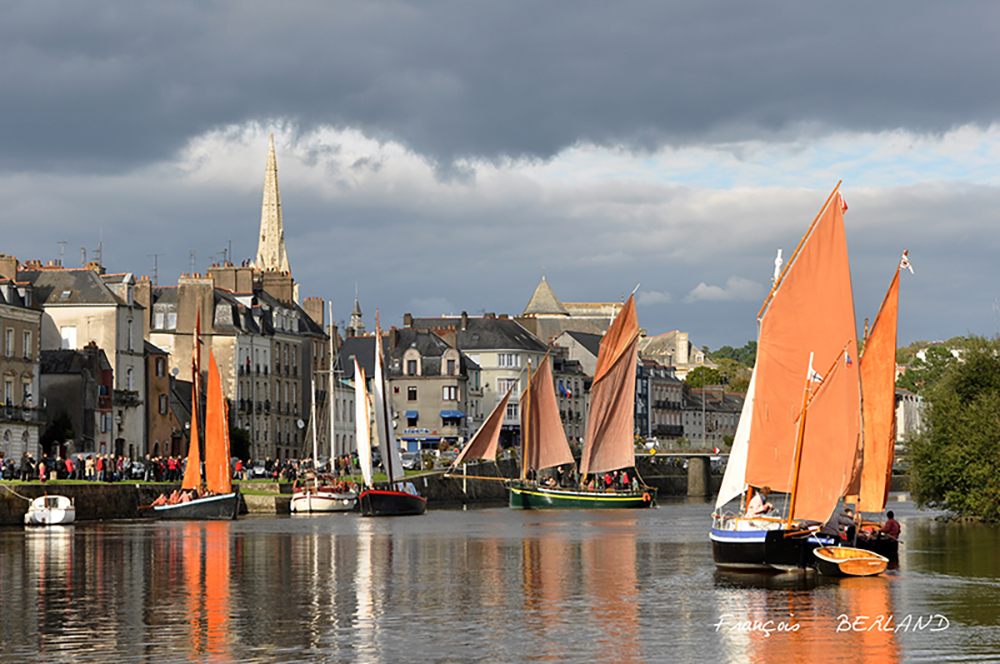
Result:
pixel 484 443
pixel 810 311
pixel 544 444
pixel 878 383
pixel 610 441
pixel 192 471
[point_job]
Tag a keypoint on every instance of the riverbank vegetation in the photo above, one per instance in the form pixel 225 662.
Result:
pixel 955 462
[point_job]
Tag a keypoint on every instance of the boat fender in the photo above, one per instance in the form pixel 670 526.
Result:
pixel 646 498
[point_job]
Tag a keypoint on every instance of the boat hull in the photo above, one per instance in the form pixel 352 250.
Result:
pixel 527 495
pixel 387 502
pixel 306 502
pixel 884 546
pixel 848 561
pixel 758 549
pixel 223 507
pixel 50 511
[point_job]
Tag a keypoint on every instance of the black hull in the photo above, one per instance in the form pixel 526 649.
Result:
pixel 757 550
pixel 382 502
pixel 224 507
pixel 884 546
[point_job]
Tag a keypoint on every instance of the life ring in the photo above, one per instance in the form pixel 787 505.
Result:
pixel 646 497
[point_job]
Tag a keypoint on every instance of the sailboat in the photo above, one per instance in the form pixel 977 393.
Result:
pixel 317 492
pixel 217 500
pixel 800 431
pixel 878 382
pixel 399 498
pixel 609 444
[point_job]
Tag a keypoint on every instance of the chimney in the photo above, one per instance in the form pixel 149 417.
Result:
pixel 8 267
pixel 313 306
pixel 465 321
pixel 407 320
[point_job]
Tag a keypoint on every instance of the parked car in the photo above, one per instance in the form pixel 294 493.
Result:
pixel 412 460
pixel 137 471
pixel 258 472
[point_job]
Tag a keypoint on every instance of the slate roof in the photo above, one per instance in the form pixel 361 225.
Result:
pixel 592 342
pixel 484 333
pixel 68 361
pixel 69 287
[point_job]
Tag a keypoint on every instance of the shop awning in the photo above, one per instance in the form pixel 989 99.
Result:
pixel 411 414
pixel 452 414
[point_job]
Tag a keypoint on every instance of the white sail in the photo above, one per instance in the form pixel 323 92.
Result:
pixel 383 420
pixel 734 481
pixel 362 424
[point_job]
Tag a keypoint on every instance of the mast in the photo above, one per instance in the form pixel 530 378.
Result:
pixel 524 428
pixel 315 423
pixel 331 400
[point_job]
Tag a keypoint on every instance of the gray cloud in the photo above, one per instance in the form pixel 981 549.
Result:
pixel 106 86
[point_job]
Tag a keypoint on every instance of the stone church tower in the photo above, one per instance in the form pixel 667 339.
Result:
pixel 271 256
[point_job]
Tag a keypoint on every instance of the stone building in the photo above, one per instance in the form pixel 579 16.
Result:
pixel 674 349
pixel 710 416
pixel 20 326
pixel 547 317
pixel 84 306
pixel 77 386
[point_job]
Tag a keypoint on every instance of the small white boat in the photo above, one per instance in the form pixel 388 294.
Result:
pixel 50 511
pixel 322 498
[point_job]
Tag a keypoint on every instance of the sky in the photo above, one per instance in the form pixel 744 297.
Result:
pixel 440 157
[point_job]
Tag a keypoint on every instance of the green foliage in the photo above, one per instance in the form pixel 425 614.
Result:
pixel 746 355
pixel 60 429
pixel 239 443
pixel 735 376
pixel 925 373
pixel 956 462
pixel 702 376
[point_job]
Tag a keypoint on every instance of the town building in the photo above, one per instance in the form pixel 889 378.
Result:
pixel 77 386
pixel 674 349
pixel 547 317
pixel 20 321
pixel 659 402
pixel 86 305
pixel 710 416
pixel 502 349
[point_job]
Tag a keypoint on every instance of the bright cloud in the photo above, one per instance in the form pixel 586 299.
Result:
pixel 737 289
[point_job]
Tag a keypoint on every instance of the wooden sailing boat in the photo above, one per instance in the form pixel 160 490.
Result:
pixel 878 382
pixel 399 498
pixel 215 498
pixel 609 444
pixel 800 431
pixel 319 492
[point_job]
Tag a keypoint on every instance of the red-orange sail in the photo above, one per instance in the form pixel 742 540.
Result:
pixel 217 473
pixel 192 472
pixel 544 444
pixel 810 311
pixel 484 443
pixel 878 384
pixel 609 443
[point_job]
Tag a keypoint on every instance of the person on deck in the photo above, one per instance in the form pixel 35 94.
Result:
pixel 758 505
pixel 891 528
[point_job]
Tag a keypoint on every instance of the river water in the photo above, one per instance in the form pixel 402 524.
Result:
pixel 487 585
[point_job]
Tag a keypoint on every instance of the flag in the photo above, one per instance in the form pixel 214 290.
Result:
pixel 847 357
pixel 813 374
pixel 904 263
pixel 843 204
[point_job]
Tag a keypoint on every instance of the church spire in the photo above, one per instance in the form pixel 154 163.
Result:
pixel 271 256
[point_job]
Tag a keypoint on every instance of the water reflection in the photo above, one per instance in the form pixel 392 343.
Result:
pixel 490 585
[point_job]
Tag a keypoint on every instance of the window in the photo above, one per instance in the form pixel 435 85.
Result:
pixel 131 345
pixel 163 404
pixel 512 360
pixel 505 384
pixel 451 367
pixel 512 411
pixel 105 422
pixel 449 393
pixel 26 350
pixel 411 393
pixel 68 333
pixel 129 379
pixel 9 342
pixel 161 367
pixel 411 367
pixel 25 392
pixel 171 321
pixel 158 320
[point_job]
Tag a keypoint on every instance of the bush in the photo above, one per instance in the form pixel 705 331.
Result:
pixel 955 462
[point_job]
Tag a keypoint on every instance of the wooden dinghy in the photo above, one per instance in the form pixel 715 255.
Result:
pixel 848 561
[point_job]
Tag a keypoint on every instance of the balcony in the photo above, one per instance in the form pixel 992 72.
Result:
pixel 127 398
pixel 22 414
pixel 267 406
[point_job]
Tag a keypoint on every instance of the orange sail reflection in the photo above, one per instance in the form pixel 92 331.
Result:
pixel 206 575
pixel 609 571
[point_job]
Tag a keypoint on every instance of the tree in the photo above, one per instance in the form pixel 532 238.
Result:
pixel 239 443
pixel 58 431
pixel 746 355
pixel 956 461
pixel 702 376
pixel 924 373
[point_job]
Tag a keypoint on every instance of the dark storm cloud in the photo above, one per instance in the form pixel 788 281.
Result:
pixel 107 86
